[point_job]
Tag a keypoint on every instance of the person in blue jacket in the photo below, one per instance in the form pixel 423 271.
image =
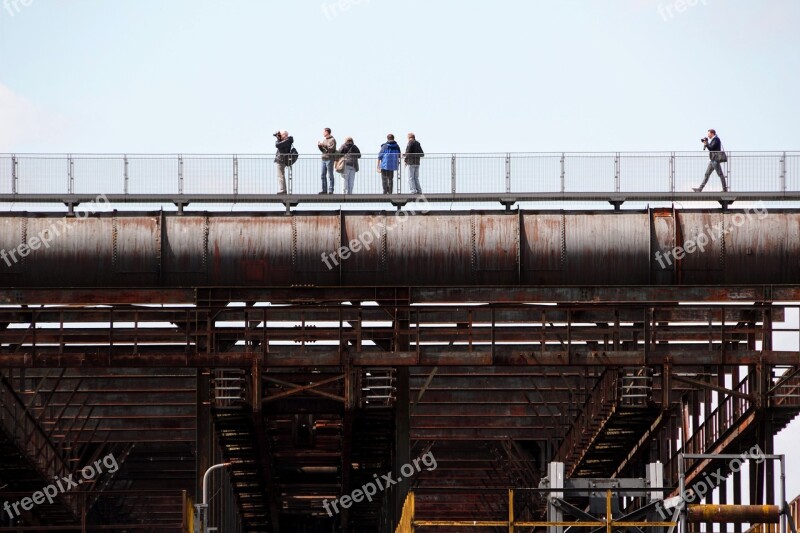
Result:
pixel 388 162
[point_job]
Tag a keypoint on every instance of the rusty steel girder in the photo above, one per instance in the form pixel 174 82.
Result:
pixel 382 249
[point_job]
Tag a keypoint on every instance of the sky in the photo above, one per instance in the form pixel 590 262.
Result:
pixel 201 76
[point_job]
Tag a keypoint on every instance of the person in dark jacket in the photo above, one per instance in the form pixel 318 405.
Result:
pixel 713 144
pixel 283 142
pixel 412 156
pixel 388 162
pixel 351 155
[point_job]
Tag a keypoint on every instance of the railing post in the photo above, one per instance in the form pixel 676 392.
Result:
pixel 235 174
pixel 508 172
pixel 453 173
pixel 71 174
pixel 289 186
pixel 14 175
pixel 180 174
pixel 563 172
pixel 616 172
pixel 672 172
pixel 125 172
pixel 783 172
pixel 399 176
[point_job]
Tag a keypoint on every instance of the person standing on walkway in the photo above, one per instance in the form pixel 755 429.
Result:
pixel 328 148
pixel 716 157
pixel 283 142
pixel 388 162
pixel 351 155
pixel 412 158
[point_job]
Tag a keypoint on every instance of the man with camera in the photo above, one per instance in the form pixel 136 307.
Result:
pixel 716 157
pixel 328 148
pixel 283 142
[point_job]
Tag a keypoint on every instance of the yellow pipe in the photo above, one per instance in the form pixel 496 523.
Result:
pixel 736 514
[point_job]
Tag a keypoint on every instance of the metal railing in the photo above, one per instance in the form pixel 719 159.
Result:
pixel 409 521
pixel 504 173
pixel 597 408
pixel 229 388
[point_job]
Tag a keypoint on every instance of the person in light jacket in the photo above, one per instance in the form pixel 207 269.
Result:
pixel 388 162
pixel 328 148
pixel 351 155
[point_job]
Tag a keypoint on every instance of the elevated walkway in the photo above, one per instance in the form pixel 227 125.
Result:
pixel 505 178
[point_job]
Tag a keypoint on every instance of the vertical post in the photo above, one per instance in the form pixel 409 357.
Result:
pixel 655 478
pixel 289 187
pixel 71 174
pixel 608 511
pixel 782 495
pixel 682 490
pixel 783 172
pixel 399 176
pixel 511 511
pixel 563 172
pixel 235 174
pixel 402 455
pixel 83 512
pixel 555 473
pixel 14 176
pixel 616 172
pixel 205 441
pixel 125 174
pixel 180 174
pixel 508 172
pixel 453 173
pixel 672 172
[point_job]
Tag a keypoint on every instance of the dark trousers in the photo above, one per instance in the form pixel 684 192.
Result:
pixel 712 166
pixel 387 176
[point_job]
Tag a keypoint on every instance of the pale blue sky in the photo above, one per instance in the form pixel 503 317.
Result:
pixel 200 76
pixel 211 76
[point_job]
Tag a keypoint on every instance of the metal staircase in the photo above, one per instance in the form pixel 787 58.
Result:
pixel 619 410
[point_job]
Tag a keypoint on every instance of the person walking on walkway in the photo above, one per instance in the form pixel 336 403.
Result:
pixel 716 157
pixel 351 155
pixel 328 148
pixel 412 158
pixel 388 162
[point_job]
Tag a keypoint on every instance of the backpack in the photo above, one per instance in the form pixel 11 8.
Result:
pixel 291 157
